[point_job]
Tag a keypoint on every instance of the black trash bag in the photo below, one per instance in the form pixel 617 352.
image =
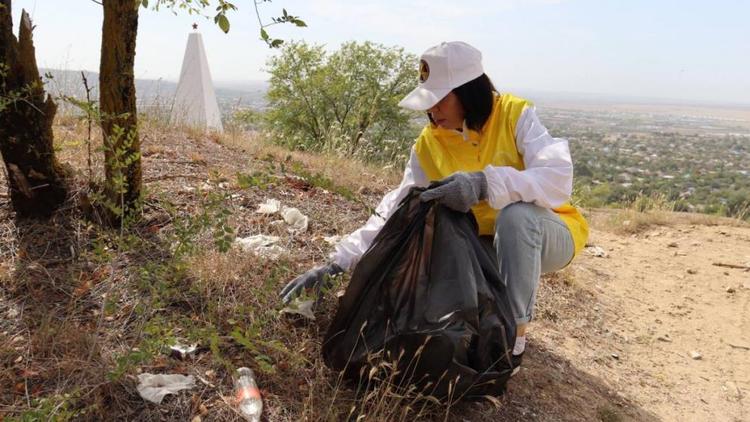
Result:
pixel 426 295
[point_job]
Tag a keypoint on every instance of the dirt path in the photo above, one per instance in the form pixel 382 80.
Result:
pixel 653 330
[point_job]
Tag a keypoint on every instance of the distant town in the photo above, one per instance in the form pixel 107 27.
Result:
pixel 697 157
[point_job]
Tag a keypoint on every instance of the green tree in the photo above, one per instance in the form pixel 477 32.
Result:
pixel 223 7
pixel 117 91
pixel 345 101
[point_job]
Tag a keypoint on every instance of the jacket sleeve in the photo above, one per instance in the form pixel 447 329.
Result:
pixel 547 180
pixel 351 248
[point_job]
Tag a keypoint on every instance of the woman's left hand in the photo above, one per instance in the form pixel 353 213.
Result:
pixel 459 191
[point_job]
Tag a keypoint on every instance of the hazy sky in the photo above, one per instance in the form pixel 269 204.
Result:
pixel 689 49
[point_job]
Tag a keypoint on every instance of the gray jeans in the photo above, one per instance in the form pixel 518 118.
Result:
pixel 529 241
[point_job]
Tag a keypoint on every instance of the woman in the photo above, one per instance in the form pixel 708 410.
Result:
pixel 486 153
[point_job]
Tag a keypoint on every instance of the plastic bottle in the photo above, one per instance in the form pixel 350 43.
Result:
pixel 247 395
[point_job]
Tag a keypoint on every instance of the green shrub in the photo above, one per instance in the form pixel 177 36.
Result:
pixel 345 102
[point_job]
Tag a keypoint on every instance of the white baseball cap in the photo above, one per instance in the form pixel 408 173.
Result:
pixel 441 69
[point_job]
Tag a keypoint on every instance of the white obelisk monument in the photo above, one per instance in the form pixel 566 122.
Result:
pixel 195 101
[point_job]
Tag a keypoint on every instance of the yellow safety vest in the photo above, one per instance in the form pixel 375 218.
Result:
pixel 442 152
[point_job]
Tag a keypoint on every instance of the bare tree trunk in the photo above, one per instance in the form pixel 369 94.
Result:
pixel 117 102
pixel 35 178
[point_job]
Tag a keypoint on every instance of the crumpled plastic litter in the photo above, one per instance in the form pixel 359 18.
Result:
pixel 300 306
pixel 271 206
pixel 596 251
pixel 154 387
pixel 261 245
pixel 292 216
pixel 296 219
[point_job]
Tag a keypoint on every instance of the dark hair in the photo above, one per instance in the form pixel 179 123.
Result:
pixel 476 97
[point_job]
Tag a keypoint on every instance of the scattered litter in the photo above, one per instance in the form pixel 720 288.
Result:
pixel 261 245
pixel 247 395
pixel 332 240
pixel 300 307
pixel 181 351
pixel 291 216
pixel 695 355
pixel 296 219
pixel 206 187
pixel 615 356
pixel 154 387
pixel 596 251
pixel 271 206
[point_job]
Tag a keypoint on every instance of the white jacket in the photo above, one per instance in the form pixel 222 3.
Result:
pixel 547 181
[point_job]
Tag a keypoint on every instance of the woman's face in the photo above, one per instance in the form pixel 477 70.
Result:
pixel 448 113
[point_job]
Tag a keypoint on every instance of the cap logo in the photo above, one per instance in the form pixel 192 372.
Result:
pixel 424 71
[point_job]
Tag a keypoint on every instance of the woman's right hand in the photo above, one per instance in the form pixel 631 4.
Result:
pixel 311 282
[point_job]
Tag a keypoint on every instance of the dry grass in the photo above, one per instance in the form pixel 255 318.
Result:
pixel 354 174
pixel 629 221
pixel 646 212
pixel 83 310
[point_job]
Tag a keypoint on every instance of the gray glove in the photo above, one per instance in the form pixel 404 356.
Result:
pixel 313 280
pixel 459 191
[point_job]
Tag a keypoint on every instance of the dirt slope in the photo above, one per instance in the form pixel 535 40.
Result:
pixel 614 335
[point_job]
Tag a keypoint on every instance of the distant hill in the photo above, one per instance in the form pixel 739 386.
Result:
pixel 233 95
pixel 157 92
